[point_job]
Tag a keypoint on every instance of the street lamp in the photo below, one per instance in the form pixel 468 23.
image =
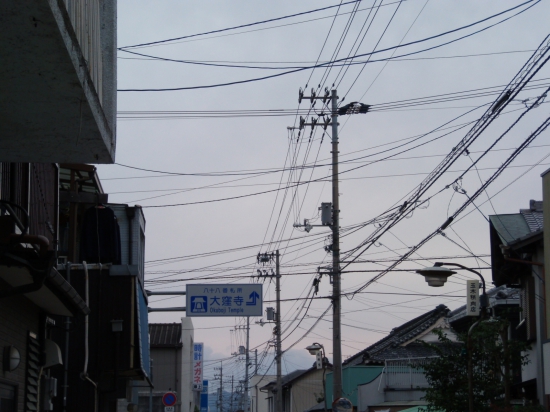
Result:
pixel 436 276
pixel 317 349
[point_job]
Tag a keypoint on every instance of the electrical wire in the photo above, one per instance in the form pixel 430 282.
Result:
pixel 238 27
pixel 360 55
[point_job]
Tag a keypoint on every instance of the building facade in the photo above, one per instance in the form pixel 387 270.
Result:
pixel 73 328
pixel 517 259
pixel 172 357
pixel 58 81
pixel 302 390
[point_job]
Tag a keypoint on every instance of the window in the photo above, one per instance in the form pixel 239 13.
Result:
pixel 8 397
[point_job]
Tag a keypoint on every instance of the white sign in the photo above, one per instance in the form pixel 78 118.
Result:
pixel 224 300
pixel 169 409
pixel 472 298
pixel 197 366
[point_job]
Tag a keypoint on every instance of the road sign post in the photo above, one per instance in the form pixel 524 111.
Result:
pixel 213 300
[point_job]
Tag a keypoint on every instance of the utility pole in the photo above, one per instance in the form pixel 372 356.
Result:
pixel 247 361
pixel 220 400
pixel 255 361
pixel 279 395
pixel 336 303
pixel 334 220
pixel 231 401
pixel 334 223
pixel 274 316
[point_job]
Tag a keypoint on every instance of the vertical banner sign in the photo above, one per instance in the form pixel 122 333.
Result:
pixel 197 366
pixel 472 298
pixel 204 397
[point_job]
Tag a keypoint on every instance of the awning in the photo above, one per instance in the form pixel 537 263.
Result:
pixel 56 296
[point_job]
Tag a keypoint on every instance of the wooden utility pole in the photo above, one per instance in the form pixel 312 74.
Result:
pixel 278 355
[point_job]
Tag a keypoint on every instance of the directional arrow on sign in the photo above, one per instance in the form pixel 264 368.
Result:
pixel 254 297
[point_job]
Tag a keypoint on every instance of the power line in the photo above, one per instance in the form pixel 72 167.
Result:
pixel 542 127
pixel 238 64
pixel 526 73
pixel 359 55
pixel 238 27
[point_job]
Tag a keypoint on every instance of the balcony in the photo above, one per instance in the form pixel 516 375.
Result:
pixel 405 374
pixel 58 81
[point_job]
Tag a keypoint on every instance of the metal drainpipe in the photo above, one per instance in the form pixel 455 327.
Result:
pixel 66 357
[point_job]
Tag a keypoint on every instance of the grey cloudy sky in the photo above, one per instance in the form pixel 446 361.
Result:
pixel 179 144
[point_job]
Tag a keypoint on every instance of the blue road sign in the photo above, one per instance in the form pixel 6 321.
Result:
pixel 212 300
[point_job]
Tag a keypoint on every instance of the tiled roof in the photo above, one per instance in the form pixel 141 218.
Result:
pixel 390 346
pixel 165 335
pixel 518 225
pixel 533 216
pixel 496 296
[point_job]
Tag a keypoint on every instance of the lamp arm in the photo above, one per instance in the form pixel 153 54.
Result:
pixel 465 268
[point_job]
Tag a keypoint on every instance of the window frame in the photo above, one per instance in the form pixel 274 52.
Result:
pixel 15 387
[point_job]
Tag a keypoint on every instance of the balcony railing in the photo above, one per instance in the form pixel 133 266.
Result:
pixel 403 374
pixel 85 16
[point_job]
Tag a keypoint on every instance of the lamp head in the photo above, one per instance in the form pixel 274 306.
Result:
pixel 12 358
pixel 436 276
pixel 313 349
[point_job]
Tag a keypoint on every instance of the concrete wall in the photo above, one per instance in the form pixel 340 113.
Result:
pixel 18 317
pixel 368 394
pixel 166 369
pixel 259 400
pixel 188 398
pixel 304 390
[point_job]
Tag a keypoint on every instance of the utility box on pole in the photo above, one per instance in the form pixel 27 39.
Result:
pixel 326 213
pixel 270 314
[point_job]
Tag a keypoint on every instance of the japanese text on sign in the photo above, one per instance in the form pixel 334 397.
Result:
pixel 472 298
pixel 224 300
pixel 197 366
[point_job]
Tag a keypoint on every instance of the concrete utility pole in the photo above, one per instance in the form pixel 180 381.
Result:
pixel 247 361
pixel 279 395
pixel 336 303
pixel 274 316
pixel 220 405
pixel 231 400
pixel 334 220
pixel 334 223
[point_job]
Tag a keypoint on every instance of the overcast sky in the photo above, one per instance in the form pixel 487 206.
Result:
pixel 214 141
